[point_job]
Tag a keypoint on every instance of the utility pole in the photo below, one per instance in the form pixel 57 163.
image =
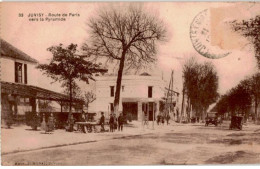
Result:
pixel 170 92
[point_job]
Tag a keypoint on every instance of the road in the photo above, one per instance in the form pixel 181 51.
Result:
pixel 183 144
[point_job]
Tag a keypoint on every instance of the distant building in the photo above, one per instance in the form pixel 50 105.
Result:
pixel 141 95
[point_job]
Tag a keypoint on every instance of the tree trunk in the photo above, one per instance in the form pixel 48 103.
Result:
pixel 70 86
pixel 182 105
pixel 203 114
pixel 256 106
pixel 118 83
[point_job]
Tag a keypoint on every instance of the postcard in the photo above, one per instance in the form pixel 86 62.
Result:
pixel 130 83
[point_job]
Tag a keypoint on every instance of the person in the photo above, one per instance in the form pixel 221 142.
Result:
pixel 111 123
pixel 162 120
pixel 102 122
pixel 168 118
pixel 44 125
pixel 115 122
pixel 51 122
pixel 82 119
pixel 120 122
pixel 70 123
pixel 158 119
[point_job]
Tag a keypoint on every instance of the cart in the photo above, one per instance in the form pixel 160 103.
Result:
pixel 86 127
pixel 236 122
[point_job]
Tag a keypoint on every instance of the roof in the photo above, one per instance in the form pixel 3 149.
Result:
pixel 9 50
pixel 34 92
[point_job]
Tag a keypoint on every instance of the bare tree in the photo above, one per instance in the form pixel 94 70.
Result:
pixel 89 97
pixel 127 36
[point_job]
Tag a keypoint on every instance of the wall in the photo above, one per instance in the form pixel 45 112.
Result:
pixel 135 87
pixel 8 71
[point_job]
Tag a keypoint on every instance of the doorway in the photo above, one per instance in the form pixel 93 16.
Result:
pixel 130 109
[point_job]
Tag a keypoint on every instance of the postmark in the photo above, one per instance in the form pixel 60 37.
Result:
pixel 200 35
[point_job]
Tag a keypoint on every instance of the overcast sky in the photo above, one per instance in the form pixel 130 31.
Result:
pixel 35 37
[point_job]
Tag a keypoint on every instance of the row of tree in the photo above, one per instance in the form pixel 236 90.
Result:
pixel 200 85
pixel 241 98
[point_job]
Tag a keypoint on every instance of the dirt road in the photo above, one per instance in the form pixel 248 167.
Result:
pixel 183 144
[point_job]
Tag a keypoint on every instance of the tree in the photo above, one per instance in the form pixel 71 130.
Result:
pixel 222 105
pixel 76 93
pixel 250 29
pixel 89 97
pixel 127 36
pixel 67 65
pixel 200 84
pixel 208 88
pixel 255 88
pixel 237 100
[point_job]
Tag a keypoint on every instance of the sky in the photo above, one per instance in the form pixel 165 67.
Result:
pixel 34 37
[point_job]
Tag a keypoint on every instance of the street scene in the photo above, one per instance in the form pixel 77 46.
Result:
pixel 176 144
pixel 151 83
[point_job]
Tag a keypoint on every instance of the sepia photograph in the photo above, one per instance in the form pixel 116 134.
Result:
pixel 130 83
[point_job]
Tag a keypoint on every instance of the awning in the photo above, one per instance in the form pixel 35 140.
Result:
pixel 34 92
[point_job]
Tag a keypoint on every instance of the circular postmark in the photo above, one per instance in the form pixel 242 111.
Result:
pixel 200 37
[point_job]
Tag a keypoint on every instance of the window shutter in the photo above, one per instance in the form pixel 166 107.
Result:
pixel 25 73
pixel 16 72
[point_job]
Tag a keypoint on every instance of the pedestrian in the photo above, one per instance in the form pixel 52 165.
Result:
pixel 162 120
pixel 43 124
pixel 82 119
pixel 120 122
pixel 70 123
pixel 158 119
pixel 111 123
pixel 168 119
pixel 102 122
pixel 51 123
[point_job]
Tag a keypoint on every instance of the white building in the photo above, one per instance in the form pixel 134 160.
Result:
pixel 19 91
pixel 141 95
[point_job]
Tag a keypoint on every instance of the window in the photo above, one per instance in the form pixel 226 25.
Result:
pixel 25 73
pixel 112 91
pixel 18 72
pixel 123 88
pixel 150 91
pixel 111 107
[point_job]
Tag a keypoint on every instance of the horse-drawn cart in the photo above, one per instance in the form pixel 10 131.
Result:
pixel 236 122
pixel 86 126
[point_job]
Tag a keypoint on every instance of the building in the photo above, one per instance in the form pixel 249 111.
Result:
pixel 19 93
pixel 142 96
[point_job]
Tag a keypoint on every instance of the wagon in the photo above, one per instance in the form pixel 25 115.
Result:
pixel 236 122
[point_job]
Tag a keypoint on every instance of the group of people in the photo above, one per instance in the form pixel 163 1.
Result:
pixel 161 119
pixel 114 122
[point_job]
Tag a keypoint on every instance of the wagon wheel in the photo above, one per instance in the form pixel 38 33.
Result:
pixel 240 127
pixel 84 129
pixel 89 128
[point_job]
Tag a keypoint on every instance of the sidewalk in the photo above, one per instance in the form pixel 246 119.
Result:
pixel 22 138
